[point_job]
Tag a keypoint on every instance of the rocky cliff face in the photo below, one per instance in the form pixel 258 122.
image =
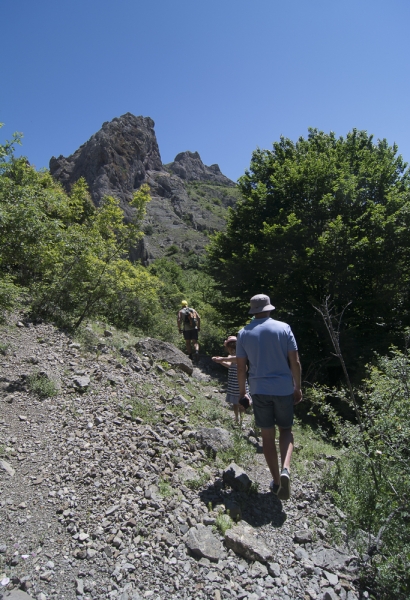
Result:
pixel 189 199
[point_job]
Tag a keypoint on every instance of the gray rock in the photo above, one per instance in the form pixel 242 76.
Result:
pixel 329 558
pixel 81 381
pixel 301 554
pixel 243 540
pixel 186 473
pixel 202 542
pixel 274 569
pixel 236 478
pixel 122 156
pixel 329 594
pixel 17 595
pixel 214 439
pixel 165 351
pixel 304 536
pixel 5 466
pixel 332 578
pixel 79 587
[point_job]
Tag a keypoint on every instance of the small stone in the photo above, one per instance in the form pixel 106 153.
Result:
pixel 5 466
pixel 332 578
pixel 303 536
pixel 79 587
pixel 329 594
pixel 274 569
pixel 111 510
pixel 81 381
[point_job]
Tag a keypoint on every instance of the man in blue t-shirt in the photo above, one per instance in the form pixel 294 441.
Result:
pixel 275 384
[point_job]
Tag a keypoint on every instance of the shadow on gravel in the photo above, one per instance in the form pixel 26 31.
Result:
pixel 257 509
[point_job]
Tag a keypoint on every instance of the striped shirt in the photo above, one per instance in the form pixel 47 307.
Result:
pixel 233 386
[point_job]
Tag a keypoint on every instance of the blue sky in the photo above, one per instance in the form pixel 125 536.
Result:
pixel 218 77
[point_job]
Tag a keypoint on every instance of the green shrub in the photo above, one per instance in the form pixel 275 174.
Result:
pixel 4 348
pixel 370 482
pixel 197 482
pixel 42 386
pixel 165 488
pixel 223 522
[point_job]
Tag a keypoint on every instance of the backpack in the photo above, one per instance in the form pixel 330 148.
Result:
pixel 191 317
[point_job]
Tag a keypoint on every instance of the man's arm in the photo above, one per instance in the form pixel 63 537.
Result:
pixel 296 369
pixel 241 364
pixel 179 319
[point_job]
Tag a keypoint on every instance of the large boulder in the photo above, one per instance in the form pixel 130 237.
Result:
pixel 167 352
pixel 201 541
pixel 236 478
pixel 214 439
pixel 243 539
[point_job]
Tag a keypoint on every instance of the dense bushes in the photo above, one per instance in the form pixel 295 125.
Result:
pixel 371 482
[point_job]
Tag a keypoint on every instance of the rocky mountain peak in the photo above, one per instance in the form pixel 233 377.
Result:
pixel 189 166
pixel 114 161
pixel 122 156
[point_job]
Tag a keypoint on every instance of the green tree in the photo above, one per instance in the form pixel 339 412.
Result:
pixel 69 256
pixel 324 216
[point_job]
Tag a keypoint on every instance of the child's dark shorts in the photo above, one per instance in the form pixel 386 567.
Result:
pixel 190 334
pixel 273 410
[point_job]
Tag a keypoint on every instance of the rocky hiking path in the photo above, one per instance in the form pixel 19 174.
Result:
pixel 110 489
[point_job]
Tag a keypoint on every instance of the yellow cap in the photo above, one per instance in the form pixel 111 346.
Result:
pixel 184 303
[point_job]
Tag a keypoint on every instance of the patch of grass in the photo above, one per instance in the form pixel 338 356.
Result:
pixel 42 386
pixel 223 522
pixel 310 446
pixel 242 452
pixel 145 410
pixel 164 364
pixel 197 482
pixel 209 412
pixel 165 489
pixel 4 348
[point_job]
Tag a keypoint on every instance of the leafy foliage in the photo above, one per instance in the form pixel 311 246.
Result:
pixel 322 216
pixel 371 480
pixel 69 255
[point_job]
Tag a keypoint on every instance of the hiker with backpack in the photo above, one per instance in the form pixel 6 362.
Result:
pixel 189 324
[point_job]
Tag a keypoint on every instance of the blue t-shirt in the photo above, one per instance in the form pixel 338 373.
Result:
pixel 266 343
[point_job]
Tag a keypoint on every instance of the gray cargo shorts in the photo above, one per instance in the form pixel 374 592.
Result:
pixel 273 410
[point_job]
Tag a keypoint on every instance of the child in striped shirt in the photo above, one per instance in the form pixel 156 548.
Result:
pixel 232 395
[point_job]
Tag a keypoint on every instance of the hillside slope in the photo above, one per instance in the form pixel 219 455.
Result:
pixel 109 489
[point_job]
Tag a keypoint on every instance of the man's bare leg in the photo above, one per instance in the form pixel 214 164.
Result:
pixel 270 453
pixel 286 447
pixel 188 346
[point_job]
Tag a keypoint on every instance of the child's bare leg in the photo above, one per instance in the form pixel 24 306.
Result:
pixel 236 411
